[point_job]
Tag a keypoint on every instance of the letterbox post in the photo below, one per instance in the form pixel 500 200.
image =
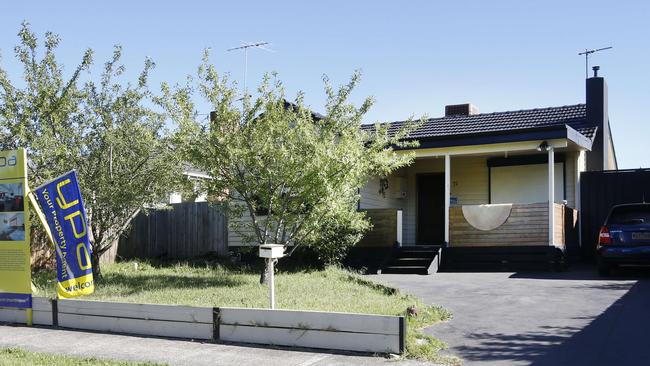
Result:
pixel 271 252
pixel 271 283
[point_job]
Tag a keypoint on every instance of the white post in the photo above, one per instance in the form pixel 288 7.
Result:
pixel 447 195
pixel 580 167
pixel 271 283
pixel 551 194
pixel 399 227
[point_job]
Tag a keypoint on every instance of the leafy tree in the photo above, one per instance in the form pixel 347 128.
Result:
pixel 45 109
pixel 106 130
pixel 289 176
pixel 129 162
pixel 44 114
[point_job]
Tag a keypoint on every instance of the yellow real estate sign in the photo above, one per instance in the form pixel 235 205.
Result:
pixel 15 272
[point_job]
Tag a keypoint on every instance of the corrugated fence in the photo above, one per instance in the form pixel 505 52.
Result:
pixel 599 191
pixel 184 230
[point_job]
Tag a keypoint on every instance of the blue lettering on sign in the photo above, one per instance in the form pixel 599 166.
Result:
pixel 11 161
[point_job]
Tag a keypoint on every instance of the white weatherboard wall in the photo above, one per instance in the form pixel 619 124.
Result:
pixel 341 331
pixel 371 198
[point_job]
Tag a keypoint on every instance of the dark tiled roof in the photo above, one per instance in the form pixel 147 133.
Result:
pixel 573 115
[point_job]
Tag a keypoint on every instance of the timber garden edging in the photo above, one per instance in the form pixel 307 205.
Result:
pixel 296 328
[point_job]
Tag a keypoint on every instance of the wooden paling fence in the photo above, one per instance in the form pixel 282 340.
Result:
pixel 314 329
pixel 184 230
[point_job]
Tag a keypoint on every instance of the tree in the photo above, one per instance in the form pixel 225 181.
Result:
pixel 44 115
pixel 39 114
pixel 289 176
pixel 106 130
pixel 129 162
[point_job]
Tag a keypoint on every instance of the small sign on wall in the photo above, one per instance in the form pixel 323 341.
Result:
pixel 453 200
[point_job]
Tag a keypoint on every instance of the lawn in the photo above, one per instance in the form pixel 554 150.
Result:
pixel 17 357
pixel 215 284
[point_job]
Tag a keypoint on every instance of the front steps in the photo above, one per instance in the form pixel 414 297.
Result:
pixel 413 260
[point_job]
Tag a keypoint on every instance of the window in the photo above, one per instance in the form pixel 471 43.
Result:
pixel 524 183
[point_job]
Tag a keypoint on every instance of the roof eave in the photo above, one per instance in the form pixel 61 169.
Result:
pixel 495 137
pixel 578 138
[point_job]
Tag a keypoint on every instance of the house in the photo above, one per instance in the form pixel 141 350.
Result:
pixel 493 187
pixel 195 191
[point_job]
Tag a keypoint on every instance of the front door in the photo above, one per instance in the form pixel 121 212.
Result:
pixel 431 209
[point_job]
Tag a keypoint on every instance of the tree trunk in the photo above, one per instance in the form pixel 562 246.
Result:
pixel 97 269
pixel 264 276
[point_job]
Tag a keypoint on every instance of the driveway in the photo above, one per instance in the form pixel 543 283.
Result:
pixel 553 318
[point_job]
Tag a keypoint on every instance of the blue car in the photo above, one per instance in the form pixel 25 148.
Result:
pixel 624 239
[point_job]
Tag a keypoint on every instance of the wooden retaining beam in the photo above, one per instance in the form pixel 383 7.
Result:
pixel 144 319
pixel 327 330
pixel 341 331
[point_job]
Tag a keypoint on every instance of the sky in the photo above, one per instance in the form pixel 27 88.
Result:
pixel 415 57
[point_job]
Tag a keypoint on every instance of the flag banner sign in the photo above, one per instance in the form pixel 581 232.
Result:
pixel 63 208
pixel 15 271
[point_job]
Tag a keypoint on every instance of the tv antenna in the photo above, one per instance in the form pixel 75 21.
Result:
pixel 586 53
pixel 245 46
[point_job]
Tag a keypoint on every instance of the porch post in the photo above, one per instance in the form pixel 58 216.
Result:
pixel 551 194
pixel 447 196
pixel 580 167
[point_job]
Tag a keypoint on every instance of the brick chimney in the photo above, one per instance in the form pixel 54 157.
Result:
pixel 465 109
pixel 597 115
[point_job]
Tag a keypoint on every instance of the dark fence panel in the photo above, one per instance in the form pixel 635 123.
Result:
pixel 185 230
pixel 603 189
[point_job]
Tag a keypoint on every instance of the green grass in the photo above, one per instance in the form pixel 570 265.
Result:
pixel 224 285
pixel 18 357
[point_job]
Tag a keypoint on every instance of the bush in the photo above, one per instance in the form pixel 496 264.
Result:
pixel 332 242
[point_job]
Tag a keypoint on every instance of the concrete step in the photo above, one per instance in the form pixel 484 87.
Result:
pixel 405 270
pixel 400 261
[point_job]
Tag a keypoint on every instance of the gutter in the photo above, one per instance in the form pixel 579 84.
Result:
pixel 494 137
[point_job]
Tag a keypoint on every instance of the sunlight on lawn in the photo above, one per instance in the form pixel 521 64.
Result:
pixel 219 285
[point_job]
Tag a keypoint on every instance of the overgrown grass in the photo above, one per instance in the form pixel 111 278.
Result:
pixel 18 357
pixel 217 284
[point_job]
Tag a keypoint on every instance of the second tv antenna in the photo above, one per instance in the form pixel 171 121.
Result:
pixel 245 46
pixel 586 53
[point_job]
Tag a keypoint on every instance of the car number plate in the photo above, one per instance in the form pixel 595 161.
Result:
pixel 641 236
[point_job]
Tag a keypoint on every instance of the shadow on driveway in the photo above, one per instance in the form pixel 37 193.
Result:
pixel 620 335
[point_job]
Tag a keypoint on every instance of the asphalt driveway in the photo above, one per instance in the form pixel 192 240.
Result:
pixel 565 318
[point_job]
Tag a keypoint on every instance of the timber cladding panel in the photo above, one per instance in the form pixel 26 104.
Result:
pixel 527 225
pixel 384 228
pixel 184 230
pixel 566 226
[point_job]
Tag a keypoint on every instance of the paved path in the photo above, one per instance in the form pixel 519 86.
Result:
pixel 567 318
pixel 172 352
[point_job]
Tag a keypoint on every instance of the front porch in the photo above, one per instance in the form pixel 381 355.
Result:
pixel 501 197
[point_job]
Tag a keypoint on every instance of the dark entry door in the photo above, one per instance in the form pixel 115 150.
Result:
pixel 431 209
